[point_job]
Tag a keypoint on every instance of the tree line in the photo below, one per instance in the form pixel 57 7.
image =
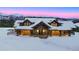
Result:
pixel 6 23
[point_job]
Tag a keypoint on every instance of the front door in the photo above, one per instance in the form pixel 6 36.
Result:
pixel 41 32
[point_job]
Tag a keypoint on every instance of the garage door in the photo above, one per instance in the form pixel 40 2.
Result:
pixel 25 32
pixel 55 33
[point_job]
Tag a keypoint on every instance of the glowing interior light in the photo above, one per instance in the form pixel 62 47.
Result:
pixel 44 30
pixel 37 30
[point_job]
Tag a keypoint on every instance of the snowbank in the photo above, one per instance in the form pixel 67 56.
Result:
pixel 13 42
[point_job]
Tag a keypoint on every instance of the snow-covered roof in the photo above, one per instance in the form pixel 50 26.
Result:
pixel 60 28
pixel 35 20
pixel 40 19
pixel 66 25
pixel 30 27
pixel 24 27
pixel 39 22
pixel 77 24
pixel 17 22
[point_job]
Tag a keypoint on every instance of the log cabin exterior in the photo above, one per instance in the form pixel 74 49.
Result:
pixel 43 28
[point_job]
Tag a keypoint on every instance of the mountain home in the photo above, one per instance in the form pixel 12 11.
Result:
pixel 43 27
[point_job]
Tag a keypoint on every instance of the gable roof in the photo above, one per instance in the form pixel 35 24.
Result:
pixel 56 21
pixel 27 20
pixel 41 23
pixel 35 20
pixel 24 27
pixel 66 25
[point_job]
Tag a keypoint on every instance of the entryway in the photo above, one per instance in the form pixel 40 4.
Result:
pixel 42 33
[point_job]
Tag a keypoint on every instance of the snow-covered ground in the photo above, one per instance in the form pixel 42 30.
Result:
pixel 26 43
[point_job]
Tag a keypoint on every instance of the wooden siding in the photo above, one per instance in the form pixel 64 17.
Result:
pixel 43 32
pixel 18 32
pixel 40 32
pixel 55 33
pixel 47 32
pixel 23 32
pixel 54 24
pixel 59 33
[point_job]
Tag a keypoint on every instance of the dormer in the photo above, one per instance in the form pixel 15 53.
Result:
pixel 26 23
pixel 55 23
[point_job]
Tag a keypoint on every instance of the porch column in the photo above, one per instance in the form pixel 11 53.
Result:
pixel 60 33
pixel 69 33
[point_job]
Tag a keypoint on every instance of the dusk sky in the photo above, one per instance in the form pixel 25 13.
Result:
pixel 66 12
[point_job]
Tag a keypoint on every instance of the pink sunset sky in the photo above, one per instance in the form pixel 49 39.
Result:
pixel 41 13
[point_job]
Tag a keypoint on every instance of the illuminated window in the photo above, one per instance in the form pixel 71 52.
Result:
pixel 44 30
pixel 37 30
